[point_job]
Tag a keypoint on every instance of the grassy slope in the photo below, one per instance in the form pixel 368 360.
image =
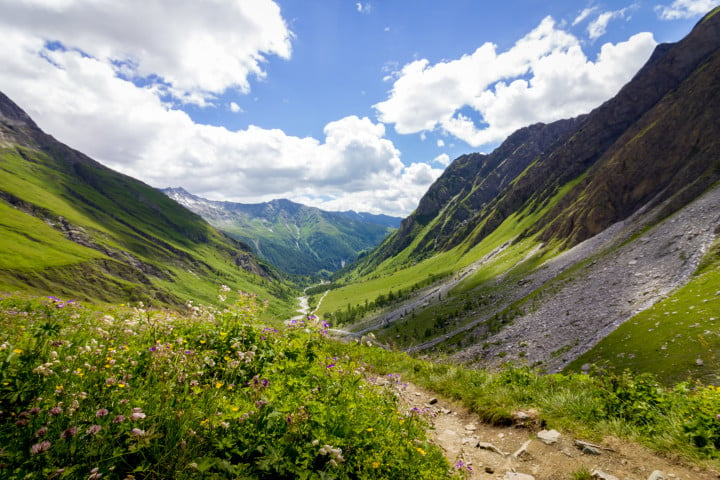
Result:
pixel 188 259
pixel 391 276
pixel 669 338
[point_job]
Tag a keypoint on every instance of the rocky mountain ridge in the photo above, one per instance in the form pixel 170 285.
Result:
pixel 570 229
pixel 296 238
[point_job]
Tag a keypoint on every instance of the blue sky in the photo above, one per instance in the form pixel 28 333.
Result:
pixel 333 103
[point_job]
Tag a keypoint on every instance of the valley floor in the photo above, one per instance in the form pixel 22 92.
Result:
pixel 508 450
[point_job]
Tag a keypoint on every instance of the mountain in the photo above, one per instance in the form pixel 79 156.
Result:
pixel 296 238
pixel 541 249
pixel 71 227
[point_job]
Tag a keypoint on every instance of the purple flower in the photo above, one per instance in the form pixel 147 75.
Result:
pixel 119 419
pixel 40 447
pixel 93 430
pixel 330 366
pixel 69 433
pixel 55 411
pixel 102 412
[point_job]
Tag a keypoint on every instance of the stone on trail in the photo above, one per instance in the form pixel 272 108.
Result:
pixel 517 476
pixel 491 447
pixel 548 437
pixel 658 475
pixel 600 475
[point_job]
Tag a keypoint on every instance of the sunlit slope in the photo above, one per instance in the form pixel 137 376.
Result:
pixel 73 227
pixel 530 253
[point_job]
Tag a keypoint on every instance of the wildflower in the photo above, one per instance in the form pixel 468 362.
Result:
pixel 95 474
pixel 420 451
pixel 69 433
pixel 18 351
pixel 137 414
pixel 136 432
pixel 55 410
pixel 40 447
pixel 102 412
pixel 375 464
pixel 93 430
pixel 330 366
pixel 41 431
pixel 118 419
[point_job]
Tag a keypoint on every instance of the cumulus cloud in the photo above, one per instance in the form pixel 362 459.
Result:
pixel 685 9
pixel 598 27
pixel 443 159
pixel 86 84
pixel 80 100
pixel 545 76
pixel 191 50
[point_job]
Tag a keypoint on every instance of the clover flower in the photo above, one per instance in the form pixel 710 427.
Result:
pixel 69 433
pixel 40 447
pixel 102 412
pixel 335 454
pixel 137 414
pixel 93 430
pixel 136 432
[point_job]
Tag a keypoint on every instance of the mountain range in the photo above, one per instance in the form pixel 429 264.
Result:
pixel 568 233
pixel 71 227
pixel 295 238
pixel 586 241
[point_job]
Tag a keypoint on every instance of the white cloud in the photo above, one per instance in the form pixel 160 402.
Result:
pixel 443 159
pixel 598 27
pixel 83 96
pixel 685 9
pixel 192 50
pixel 81 100
pixel 235 108
pixel 545 76
pixel 583 15
pixel 363 7
pixel 440 142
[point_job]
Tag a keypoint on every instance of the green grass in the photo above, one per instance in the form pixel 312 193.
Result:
pixel 29 243
pixel 210 393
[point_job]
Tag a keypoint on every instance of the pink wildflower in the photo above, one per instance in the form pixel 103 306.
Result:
pixel 40 447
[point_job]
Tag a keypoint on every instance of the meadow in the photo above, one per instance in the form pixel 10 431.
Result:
pixel 122 392
pixel 127 392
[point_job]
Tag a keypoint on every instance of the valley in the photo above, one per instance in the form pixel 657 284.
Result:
pixel 569 279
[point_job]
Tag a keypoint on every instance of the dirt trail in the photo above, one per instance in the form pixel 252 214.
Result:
pixel 459 432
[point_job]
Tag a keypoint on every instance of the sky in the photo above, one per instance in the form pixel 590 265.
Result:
pixel 338 104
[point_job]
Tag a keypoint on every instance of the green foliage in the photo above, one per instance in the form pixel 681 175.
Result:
pixel 684 420
pixel 138 393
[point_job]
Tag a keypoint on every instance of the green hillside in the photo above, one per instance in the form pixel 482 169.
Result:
pixel 71 227
pixel 295 238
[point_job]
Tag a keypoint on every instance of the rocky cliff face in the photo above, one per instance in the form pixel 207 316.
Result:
pixel 656 135
pixel 609 213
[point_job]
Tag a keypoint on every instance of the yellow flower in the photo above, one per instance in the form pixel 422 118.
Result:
pixel 420 451
pixel 18 350
pixel 121 385
pixel 370 429
pixel 222 334
pixel 235 409
pixel 376 465
pixel 219 384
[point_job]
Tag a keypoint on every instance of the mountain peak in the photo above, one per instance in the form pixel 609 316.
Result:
pixel 13 115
